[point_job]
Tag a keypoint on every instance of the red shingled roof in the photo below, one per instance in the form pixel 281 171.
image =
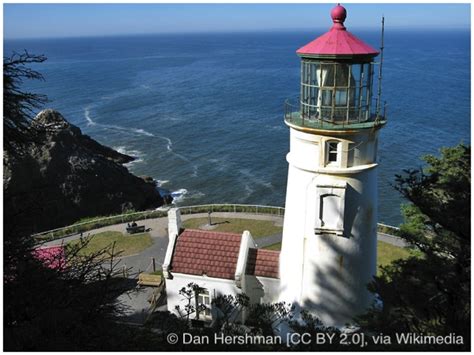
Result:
pixel 263 262
pixel 338 41
pixel 203 252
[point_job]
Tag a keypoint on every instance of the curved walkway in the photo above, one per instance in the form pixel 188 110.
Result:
pixel 159 234
pixel 136 301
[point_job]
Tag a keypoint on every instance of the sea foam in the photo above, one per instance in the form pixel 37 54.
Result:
pixel 91 122
pixel 138 155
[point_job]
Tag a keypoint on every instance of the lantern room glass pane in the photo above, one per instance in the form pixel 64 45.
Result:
pixel 326 75
pixel 342 74
pixel 356 73
pixel 327 98
pixel 335 92
pixel 341 97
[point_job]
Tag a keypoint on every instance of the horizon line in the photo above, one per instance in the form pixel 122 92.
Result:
pixel 305 29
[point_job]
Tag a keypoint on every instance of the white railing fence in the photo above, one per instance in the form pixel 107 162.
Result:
pixel 99 222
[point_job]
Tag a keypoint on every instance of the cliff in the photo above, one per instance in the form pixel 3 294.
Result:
pixel 63 175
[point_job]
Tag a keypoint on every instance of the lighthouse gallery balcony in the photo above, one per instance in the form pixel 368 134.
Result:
pixel 325 119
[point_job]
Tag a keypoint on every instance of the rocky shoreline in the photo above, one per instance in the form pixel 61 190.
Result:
pixel 62 175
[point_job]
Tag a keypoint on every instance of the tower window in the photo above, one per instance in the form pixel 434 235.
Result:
pixel 332 152
pixel 330 208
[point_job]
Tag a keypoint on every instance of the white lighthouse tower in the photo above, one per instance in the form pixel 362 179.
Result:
pixel 329 246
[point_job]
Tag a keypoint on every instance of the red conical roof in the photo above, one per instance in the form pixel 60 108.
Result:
pixel 338 41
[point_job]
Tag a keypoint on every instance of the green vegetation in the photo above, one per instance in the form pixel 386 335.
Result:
pixel 90 223
pixel 431 294
pixel 124 244
pixel 19 106
pixel 388 253
pixel 257 228
pixel 157 273
pixel 279 211
pixel 390 230
pixel 48 308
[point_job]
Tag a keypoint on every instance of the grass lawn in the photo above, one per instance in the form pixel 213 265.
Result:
pixel 257 228
pixel 128 244
pixel 386 253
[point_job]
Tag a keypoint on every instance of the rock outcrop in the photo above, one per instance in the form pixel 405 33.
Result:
pixel 63 175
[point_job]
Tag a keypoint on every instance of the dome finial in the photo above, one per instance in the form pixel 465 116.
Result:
pixel 338 14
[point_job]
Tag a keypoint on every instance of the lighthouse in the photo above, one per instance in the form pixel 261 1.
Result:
pixel 329 246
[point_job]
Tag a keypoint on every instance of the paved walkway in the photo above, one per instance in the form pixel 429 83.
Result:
pixel 159 234
pixel 267 241
pixel 391 239
pixel 136 301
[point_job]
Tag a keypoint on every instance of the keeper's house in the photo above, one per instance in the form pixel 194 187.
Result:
pixel 220 263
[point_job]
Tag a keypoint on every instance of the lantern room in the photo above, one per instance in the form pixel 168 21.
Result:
pixel 337 77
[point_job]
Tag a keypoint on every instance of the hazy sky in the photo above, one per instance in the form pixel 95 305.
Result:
pixel 66 20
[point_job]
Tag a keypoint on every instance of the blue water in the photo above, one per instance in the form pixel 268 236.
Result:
pixel 204 112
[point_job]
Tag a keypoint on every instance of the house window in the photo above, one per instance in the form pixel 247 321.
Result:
pixel 204 305
pixel 332 153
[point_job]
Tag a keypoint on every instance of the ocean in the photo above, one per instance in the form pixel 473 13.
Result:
pixel 203 113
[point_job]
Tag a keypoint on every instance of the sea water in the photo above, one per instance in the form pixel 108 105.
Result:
pixel 203 113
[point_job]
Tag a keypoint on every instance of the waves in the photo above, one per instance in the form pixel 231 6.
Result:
pixel 132 152
pixel 169 148
pixel 91 122
pixel 176 174
pixel 183 194
pixel 137 154
pixel 178 195
pixel 160 183
pixel 140 132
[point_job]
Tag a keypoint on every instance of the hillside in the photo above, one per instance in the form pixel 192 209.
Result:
pixel 63 175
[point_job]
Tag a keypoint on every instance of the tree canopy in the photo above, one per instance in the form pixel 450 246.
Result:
pixel 19 105
pixel 431 294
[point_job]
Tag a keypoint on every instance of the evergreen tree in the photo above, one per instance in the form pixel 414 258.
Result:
pixel 431 294
pixel 18 105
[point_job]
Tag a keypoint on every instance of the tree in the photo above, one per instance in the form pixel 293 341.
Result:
pixel 265 318
pixel 431 294
pixel 229 310
pixel 64 302
pixel 18 105
pixel 190 295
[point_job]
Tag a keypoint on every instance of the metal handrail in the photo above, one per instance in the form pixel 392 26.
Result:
pixel 144 215
pixel 293 114
pixel 194 209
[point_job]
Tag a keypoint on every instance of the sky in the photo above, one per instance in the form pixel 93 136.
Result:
pixel 78 20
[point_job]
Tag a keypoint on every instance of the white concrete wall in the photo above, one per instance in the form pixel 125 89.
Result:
pixel 271 288
pixel 245 243
pixel 262 289
pixel 326 273
pixel 174 226
pixel 215 287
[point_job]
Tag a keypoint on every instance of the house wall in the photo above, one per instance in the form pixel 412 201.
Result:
pixel 271 289
pixel 216 287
